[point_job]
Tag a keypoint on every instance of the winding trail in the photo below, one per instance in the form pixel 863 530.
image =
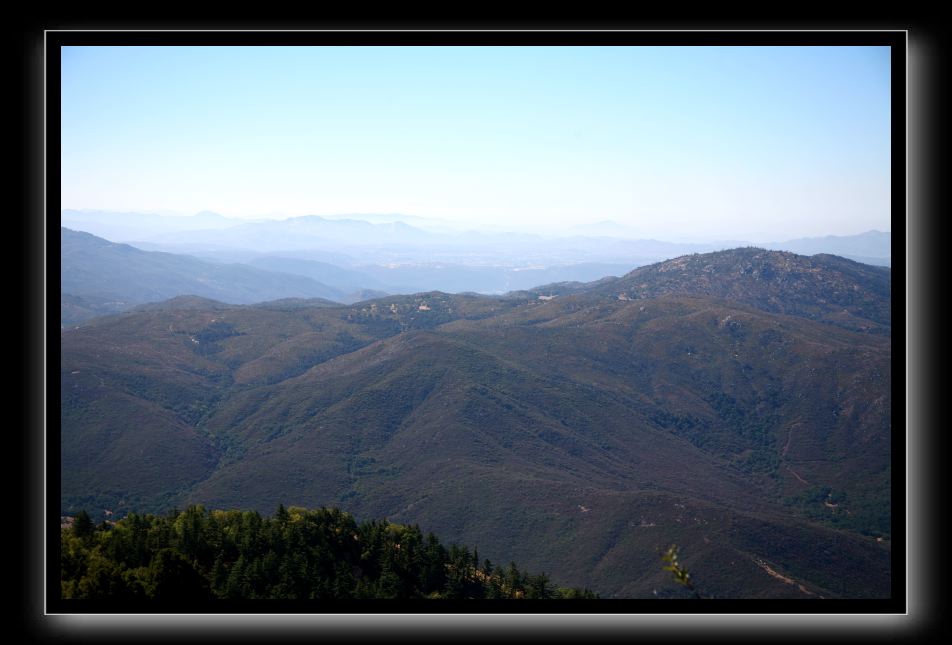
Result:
pixel 782 578
pixel 786 446
pixel 794 473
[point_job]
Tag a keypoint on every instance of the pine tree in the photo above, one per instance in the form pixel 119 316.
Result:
pixel 237 586
pixel 174 579
pixel 83 525
pixel 538 586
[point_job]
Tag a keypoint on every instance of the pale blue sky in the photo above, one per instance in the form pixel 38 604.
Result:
pixel 675 142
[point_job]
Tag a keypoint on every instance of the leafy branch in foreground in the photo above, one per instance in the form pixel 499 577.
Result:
pixel 681 575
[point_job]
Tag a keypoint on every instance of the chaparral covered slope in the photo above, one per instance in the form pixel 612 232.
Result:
pixel 736 403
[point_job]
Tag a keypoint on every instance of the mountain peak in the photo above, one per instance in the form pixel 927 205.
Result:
pixel 821 287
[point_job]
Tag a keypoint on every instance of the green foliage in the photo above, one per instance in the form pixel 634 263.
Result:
pixel 83 525
pixel 172 577
pixel 866 510
pixel 299 554
pixel 680 574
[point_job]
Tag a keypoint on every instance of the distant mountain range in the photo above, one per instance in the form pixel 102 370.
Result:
pixel 871 247
pixel 322 258
pixel 401 239
pixel 100 277
pixel 737 404
pixel 120 227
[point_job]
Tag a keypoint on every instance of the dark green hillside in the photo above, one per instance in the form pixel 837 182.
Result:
pixel 182 360
pixel 583 433
pixel 422 425
pixel 783 399
pixel 75 309
pixel 194 557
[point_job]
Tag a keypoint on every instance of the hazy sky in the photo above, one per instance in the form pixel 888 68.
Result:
pixel 732 142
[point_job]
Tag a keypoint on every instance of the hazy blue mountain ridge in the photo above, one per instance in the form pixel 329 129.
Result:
pixel 403 259
pixel 101 271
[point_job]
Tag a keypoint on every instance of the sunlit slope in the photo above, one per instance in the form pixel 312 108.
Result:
pixel 583 433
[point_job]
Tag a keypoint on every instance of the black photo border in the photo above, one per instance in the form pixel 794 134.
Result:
pixel 878 618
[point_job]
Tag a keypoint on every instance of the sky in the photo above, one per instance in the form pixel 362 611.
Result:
pixel 675 143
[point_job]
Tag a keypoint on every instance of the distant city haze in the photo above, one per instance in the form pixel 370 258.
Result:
pixel 680 144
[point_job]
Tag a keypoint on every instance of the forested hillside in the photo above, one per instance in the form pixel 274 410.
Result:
pixel 298 554
pixel 736 403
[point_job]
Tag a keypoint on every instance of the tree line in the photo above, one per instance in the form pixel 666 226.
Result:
pixel 297 554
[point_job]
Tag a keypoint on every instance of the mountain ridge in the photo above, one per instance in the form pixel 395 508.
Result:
pixel 96 272
pixel 582 428
pixel 822 286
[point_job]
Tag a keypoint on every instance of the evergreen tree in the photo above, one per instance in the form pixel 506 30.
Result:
pixel 282 516
pixel 513 580
pixel 197 555
pixel 174 579
pixel 236 586
pixel 82 525
pixel 219 575
pixel 538 586
pixel 102 580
